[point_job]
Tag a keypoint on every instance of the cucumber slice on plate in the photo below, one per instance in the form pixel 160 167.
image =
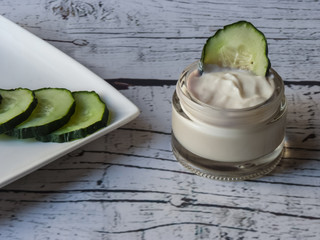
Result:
pixel 54 109
pixel 16 106
pixel 239 45
pixel 90 115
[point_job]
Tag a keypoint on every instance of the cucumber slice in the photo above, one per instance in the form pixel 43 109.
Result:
pixel 239 45
pixel 54 109
pixel 16 106
pixel 90 115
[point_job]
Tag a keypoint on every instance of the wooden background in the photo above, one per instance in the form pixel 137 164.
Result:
pixel 127 185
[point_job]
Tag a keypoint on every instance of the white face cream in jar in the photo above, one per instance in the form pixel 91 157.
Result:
pixel 228 125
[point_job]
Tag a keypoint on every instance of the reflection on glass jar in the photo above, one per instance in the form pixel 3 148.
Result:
pixel 228 144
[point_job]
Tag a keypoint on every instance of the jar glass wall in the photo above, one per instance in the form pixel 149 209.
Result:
pixel 228 144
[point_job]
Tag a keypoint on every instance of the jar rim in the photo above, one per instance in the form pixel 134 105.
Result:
pixel 194 106
pixel 193 66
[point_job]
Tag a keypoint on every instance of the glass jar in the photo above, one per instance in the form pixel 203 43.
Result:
pixel 228 144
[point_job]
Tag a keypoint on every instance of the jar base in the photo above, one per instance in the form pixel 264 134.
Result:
pixel 226 171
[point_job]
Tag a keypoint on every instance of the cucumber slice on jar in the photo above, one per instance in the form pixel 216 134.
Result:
pixel 54 109
pixel 239 45
pixel 16 106
pixel 90 115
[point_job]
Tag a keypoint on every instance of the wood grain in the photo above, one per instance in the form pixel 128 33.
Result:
pixel 127 185
pixel 157 39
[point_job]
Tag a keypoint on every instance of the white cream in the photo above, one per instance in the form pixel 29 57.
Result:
pixel 229 131
pixel 230 89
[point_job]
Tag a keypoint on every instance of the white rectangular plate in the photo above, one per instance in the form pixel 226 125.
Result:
pixel 28 61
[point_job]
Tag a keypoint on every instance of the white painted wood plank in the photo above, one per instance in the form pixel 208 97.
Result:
pixel 127 185
pixel 157 39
